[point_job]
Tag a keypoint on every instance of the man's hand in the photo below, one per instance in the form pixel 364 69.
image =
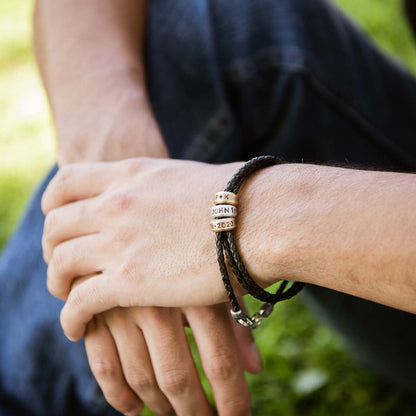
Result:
pixel 145 224
pixel 142 355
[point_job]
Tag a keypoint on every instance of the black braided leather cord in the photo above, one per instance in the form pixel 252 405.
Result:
pixel 225 242
pixel 224 273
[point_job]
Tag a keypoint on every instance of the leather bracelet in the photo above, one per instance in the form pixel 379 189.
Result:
pixel 225 212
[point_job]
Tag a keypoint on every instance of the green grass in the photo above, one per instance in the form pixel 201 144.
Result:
pixel 383 21
pixel 26 140
pixel 306 368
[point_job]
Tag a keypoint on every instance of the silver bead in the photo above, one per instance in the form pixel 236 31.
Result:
pixel 222 211
pixel 223 224
pixel 224 197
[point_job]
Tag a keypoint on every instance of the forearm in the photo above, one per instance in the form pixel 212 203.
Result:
pixel 90 55
pixel 74 38
pixel 349 230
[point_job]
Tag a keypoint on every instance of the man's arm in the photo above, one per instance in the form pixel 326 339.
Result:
pixel 353 231
pixel 348 230
pixel 90 58
pixel 90 55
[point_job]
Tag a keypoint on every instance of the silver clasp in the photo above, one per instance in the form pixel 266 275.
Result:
pixel 255 321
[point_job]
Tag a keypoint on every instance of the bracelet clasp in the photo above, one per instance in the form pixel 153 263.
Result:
pixel 255 321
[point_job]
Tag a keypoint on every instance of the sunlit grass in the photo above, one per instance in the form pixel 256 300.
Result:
pixel 26 140
pixel 383 20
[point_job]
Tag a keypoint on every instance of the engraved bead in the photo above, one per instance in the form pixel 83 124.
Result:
pixel 226 198
pixel 220 211
pixel 223 224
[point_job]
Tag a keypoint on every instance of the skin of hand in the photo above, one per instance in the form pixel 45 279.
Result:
pixel 323 225
pixel 95 81
pixel 143 222
pixel 142 355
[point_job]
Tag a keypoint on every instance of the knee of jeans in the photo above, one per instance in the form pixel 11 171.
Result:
pixel 186 34
pixel 244 28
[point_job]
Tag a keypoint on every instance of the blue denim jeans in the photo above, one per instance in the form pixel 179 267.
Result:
pixel 230 80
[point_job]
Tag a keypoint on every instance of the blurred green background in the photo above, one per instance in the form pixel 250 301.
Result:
pixel 307 370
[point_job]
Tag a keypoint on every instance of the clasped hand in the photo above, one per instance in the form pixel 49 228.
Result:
pixel 139 229
pixel 141 226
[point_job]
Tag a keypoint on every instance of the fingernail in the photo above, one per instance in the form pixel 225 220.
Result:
pixel 256 356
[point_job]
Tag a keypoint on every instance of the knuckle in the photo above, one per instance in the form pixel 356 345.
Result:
pixel 53 285
pixel 64 173
pixel 129 271
pixel 84 293
pixel 122 235
pixel 222 366
pixel 58 260
pixel 75 299
pixel 174 382
pixel 50 224
pixel 119 201
pixel 62 178
pixel 140 381
pixel 134 165
pixel 104 369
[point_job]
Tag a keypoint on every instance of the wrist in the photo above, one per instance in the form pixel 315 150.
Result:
pixel 94 91
pixel 107 117
pixel 269 218
pixel 227 248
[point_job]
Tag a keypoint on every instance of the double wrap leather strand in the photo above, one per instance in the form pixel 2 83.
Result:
pixel 227 248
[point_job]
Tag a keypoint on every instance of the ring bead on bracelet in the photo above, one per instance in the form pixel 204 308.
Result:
pixel 224 213
pixel 224 197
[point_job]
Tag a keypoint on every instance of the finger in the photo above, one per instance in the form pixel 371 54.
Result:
pixel 73 258
pixel 246 343
pixel 89 298
pixel 67 222
pixel 220 358
pixel 172 362
pixel 105 365
pixel 77 181
pixel 136 364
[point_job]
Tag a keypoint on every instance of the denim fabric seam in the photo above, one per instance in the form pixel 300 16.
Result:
pixel 241 71
pixel 212 137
